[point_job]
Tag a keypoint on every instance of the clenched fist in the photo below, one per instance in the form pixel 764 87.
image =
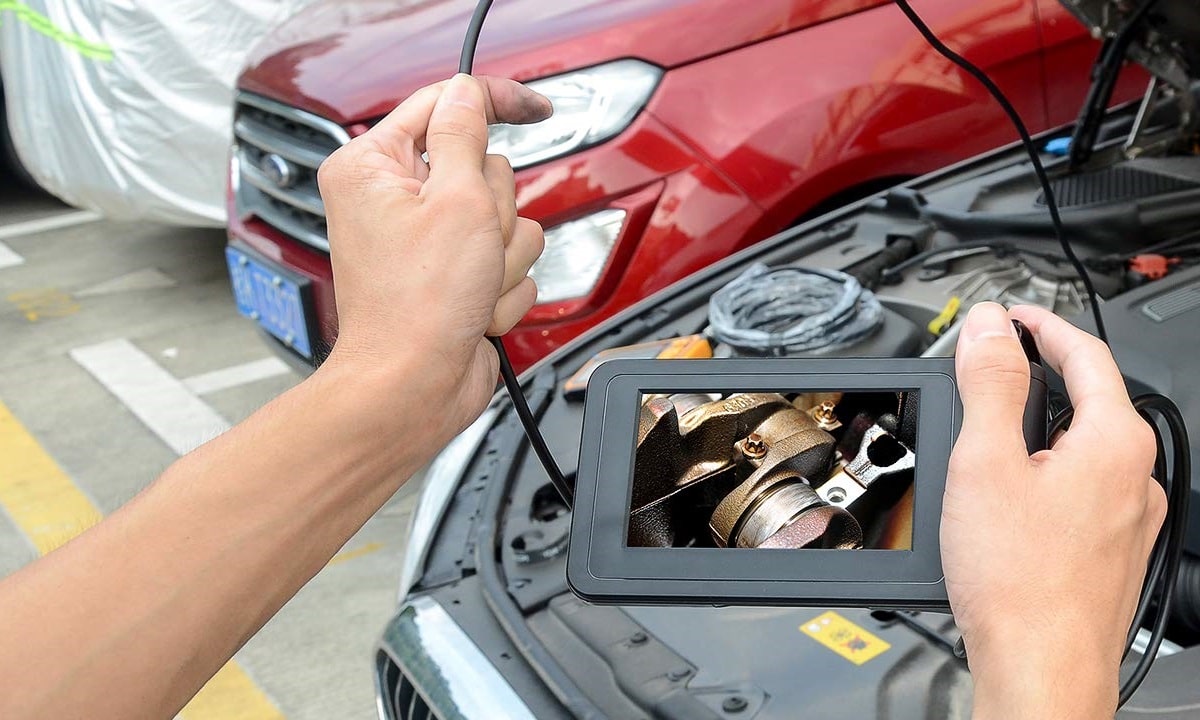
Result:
pixel 429 257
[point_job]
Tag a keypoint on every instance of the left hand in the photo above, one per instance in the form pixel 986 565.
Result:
pixel 427 259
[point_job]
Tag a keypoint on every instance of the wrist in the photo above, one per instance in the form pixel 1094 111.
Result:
pixel 1034 674
pixel 395 404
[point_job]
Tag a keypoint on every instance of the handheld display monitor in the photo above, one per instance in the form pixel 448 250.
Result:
pixel 777 482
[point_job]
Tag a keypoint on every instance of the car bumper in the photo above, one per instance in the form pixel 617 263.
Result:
pixel 428 666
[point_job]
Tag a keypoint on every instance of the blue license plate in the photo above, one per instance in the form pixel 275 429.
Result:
pixel 266 295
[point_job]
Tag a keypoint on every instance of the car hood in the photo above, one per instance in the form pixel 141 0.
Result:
pixel 1167 41
pixel 352 61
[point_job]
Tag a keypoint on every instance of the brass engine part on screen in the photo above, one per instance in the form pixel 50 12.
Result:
pixel 785 449
pixel 770 445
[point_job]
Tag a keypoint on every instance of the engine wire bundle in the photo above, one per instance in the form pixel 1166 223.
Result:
pixel 788 310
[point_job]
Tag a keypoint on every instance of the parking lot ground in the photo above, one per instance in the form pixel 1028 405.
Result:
pixel 120 348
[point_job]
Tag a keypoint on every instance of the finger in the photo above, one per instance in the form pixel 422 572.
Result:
pixel 993 379
pixel 499 176
pixel 1156 512
pixel 512 306
pixel 457 137
pixel 402 131
pixel 1093 381
pixel 520 255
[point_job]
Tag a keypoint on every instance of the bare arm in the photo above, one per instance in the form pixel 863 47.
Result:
pixel 131 618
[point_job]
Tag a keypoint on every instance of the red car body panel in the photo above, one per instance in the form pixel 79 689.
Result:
pixel 350 61
pixel 765 111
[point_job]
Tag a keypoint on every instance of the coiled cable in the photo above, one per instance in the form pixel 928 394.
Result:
pixel 788 310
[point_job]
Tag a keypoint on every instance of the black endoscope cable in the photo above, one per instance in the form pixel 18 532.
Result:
pixel 1158 588
pixel 466 64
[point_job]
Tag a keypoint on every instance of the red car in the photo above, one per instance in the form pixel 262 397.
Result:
pixel 684 130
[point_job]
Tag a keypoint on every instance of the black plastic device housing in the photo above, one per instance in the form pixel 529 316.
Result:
pixel 601 568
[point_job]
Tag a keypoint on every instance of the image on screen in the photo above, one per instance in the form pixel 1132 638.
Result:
pixel 775 470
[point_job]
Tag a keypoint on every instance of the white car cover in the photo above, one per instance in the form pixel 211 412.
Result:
pixel 125 106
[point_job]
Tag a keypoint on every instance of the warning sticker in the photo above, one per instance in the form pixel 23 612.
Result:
pixel 844 637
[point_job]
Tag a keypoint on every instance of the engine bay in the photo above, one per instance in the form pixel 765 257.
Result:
pixel 925 252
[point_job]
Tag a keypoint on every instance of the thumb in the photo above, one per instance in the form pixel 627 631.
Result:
pixel 993 378
pixel 457 138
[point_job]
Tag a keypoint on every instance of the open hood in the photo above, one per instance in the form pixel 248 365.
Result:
pixel 1166 37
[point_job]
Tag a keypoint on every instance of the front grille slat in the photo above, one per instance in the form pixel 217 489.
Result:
pixel 270 140
pixel 405 702
pixel 304 196
pixel 270 134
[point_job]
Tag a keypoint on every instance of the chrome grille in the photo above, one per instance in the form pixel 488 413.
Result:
pixel 267 132
pixel 398 698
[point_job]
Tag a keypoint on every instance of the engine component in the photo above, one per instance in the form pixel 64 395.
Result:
pixel 777 491
pixel 880 454
pixel 1015 282
pixel 760 470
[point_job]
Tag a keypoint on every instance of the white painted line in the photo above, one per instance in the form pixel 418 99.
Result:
pixel 182 420
pixel 8 258
pixel 230 377
pixel 56 222
pixel 144 279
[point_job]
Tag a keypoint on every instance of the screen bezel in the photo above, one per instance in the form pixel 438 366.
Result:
pixel 601 565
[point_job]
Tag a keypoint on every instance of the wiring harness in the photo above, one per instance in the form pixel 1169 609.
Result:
pixel 789 310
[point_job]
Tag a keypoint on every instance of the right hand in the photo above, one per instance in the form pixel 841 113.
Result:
pixel 1045 555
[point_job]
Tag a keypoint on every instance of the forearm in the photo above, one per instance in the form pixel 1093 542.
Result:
pixel 1031 675
pixel 160 595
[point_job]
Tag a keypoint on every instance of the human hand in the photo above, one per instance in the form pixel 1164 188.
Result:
pixel 1044 556
pixel 427 258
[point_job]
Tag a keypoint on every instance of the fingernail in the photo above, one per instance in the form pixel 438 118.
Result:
pixel 988 320
pixel 545 107
pixel 460 91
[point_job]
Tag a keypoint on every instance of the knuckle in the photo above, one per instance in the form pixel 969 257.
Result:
pixel 995 372
pixel 333 169
pixel 533 230
pixel 1140 438
pixel 1156 505
pixel 470 199
pixel 500 164
pixel 454 130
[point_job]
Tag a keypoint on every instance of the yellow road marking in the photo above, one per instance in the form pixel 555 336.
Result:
pixel 355 553
pixel 230 695
pixel 50 510
pixel 44 304
pixel 35 491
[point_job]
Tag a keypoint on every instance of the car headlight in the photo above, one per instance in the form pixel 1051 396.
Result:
pixel 441 480
pixel 590 106
pixel 575 255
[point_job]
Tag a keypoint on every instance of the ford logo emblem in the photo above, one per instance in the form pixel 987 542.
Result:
pixel 279 171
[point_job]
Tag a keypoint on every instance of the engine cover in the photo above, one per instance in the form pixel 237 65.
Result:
pixel 1153 335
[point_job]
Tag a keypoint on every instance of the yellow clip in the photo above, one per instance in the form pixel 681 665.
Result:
pixel 945 318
